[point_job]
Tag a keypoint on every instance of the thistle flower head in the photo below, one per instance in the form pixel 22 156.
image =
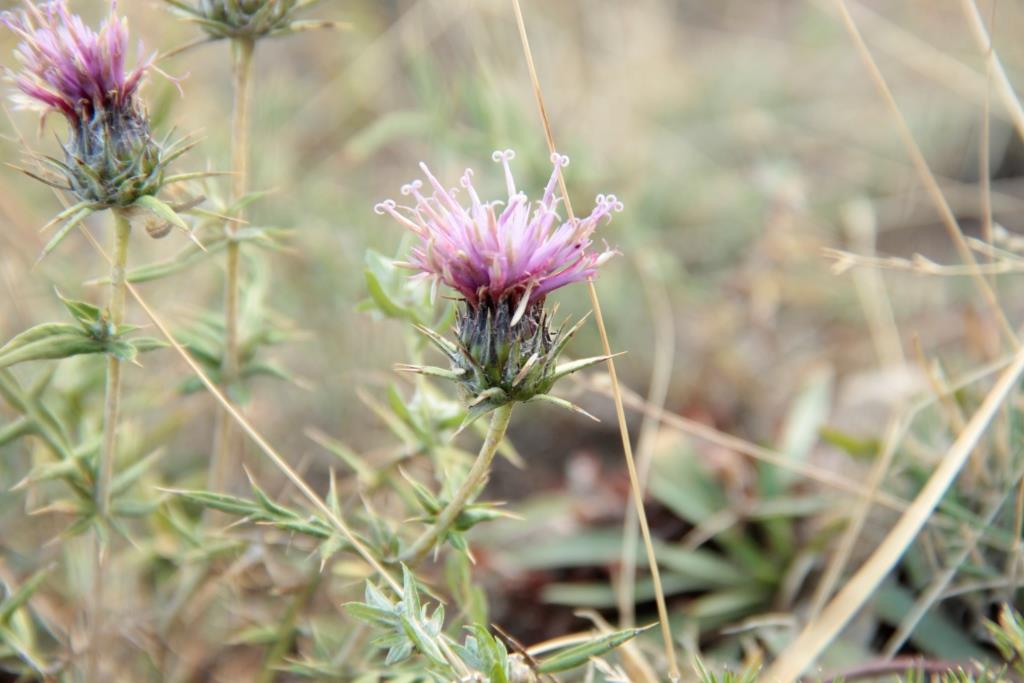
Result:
pixel 111 159
pixel 68 67
pixel 500 251
pixel 248 19
pixel 503 258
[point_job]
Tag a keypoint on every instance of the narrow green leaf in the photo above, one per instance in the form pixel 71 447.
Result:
pixel 384 302
pixel 373 615
pixel 18 598
pixel 48 341
pixel 219 501
pixel 568 368
pixel 82 311
pixel 64 231
pixel 161 210
pixel 14 430
pixel 579 655
pixel 424 642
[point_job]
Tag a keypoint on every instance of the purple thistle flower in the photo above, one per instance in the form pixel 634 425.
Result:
pixel 68 67
pixel 111 158
pixel 498 252
pixel 503 257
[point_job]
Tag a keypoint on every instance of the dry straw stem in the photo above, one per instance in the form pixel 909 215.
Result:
pixel 817 634
pixel 663 321
pixel 861 227
pixel 921 165
pixel 837 563
pixel 634 479
pixel 918 54
pixel 994 69
pixel 845 260
pixel 1003 87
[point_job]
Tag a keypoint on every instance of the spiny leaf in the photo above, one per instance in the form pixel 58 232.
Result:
pixel 64 231
pixel 85 313
pixel 563 369
pixel 430 371
pixel 579 655
pixel 424 641
pixel 18 598
pixel 373 615
pixel 219 501
pixel 162 210
pixel 67 213
pixel 48 341
pixel 14 430
pixel 384 302
pixel 561 403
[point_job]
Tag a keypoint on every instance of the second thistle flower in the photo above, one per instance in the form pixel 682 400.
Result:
pixel 244 19
pixel 503 258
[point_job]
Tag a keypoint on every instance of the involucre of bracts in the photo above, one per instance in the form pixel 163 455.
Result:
pixel 246 18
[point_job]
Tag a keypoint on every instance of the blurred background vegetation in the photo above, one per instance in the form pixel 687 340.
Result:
pixel 743 138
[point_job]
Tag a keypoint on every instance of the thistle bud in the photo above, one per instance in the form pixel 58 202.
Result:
pixel 247 19
pixel 111 158
pixel 503 258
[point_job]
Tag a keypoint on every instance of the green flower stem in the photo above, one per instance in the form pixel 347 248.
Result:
pixel 477 475
pixel 242 52
pixel 122 230
pixel 111 411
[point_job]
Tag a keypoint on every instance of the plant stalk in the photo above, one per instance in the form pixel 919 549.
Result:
pixel 111 411
pixel 112 406
pixel 477 475
pixel 224 438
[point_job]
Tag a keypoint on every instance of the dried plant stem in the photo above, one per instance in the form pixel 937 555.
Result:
pixel 818 633
pixel 634 479
pixel 837 562
pixel 661 375
pixel 108 453
pixel 1003 86
pixel 477 475
pixel 242 52
pixel 927 177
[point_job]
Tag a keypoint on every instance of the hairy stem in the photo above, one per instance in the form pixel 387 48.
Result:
pixel 477 475
pixel 122 229
pixel 111 410
pixel 242 52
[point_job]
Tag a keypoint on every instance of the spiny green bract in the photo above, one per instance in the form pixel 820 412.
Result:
pixel 246 18
pixel 113 160
pixel 503 356
pixel 505 361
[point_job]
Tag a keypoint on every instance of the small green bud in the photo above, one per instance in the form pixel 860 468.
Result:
pixel 246 18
